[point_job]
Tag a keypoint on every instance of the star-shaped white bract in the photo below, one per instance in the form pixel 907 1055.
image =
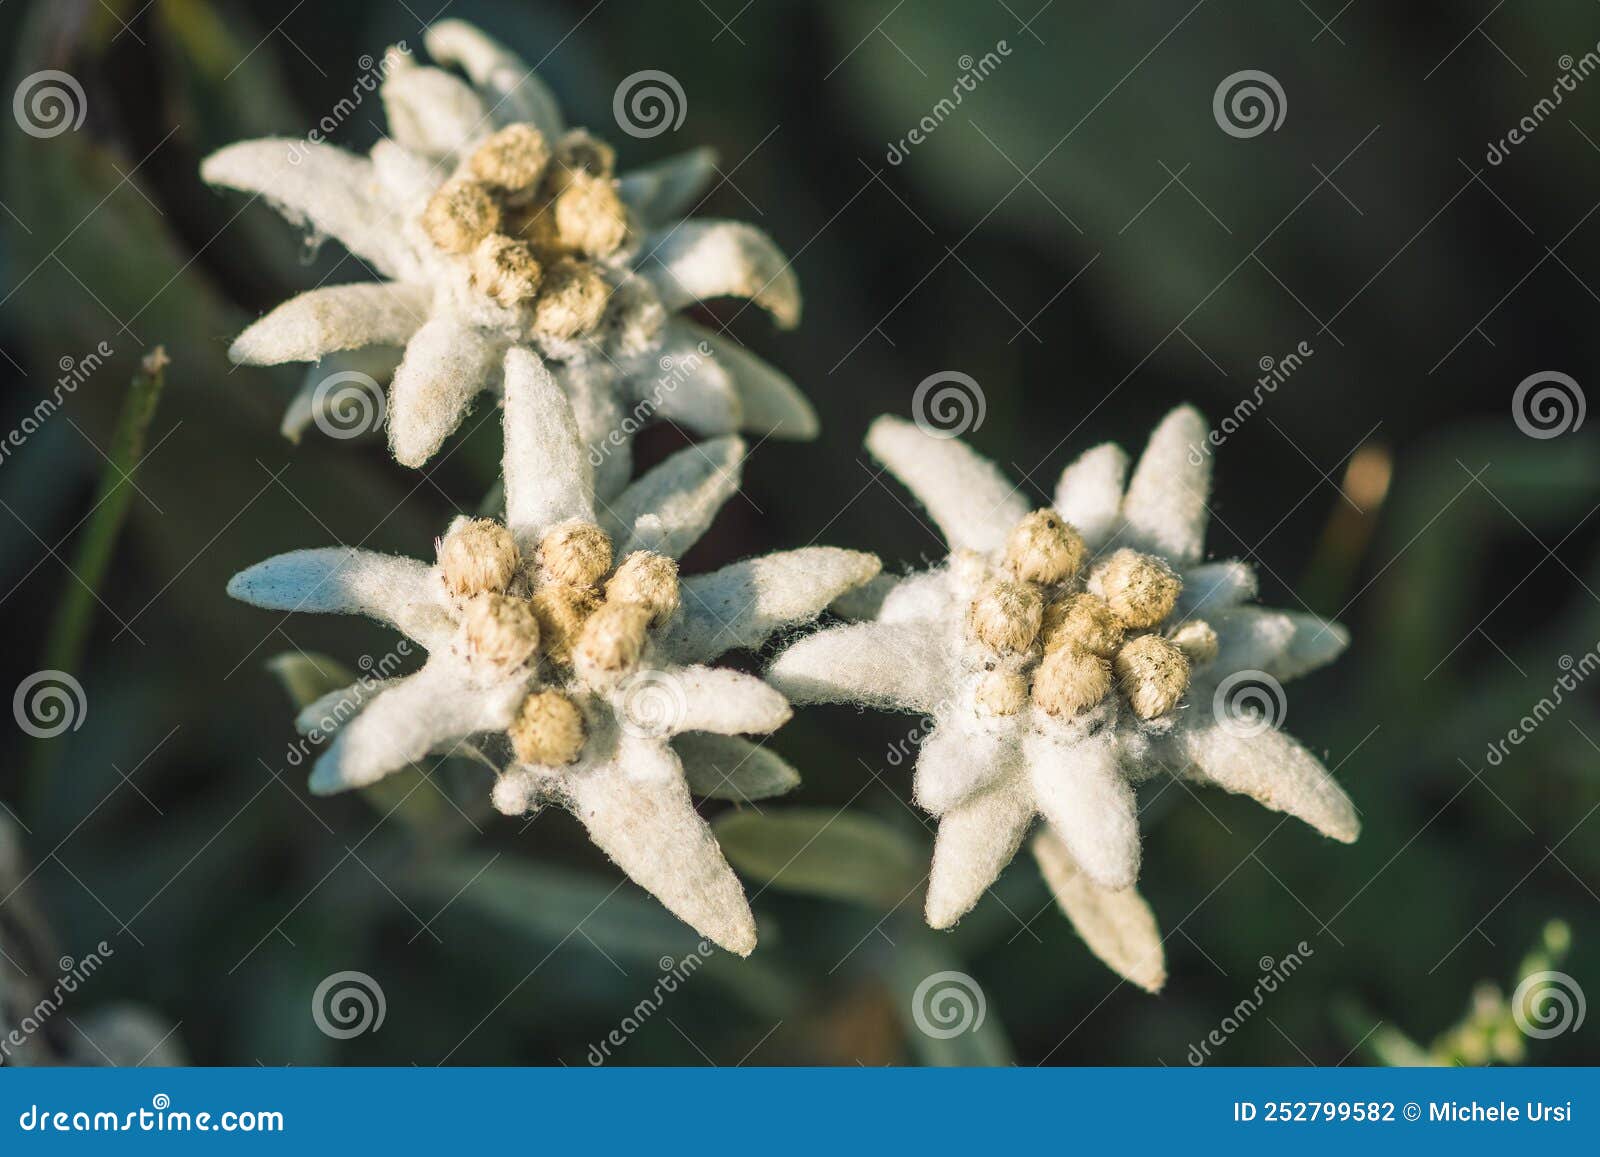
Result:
pixel 1043 728
pixel 496 228
pixel 594 691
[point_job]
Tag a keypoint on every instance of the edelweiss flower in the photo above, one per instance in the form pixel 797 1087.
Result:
pixel 588 663
pixel 497 228
pixel 1065 655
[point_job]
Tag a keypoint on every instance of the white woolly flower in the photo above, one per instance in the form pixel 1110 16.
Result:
pixel 587 660
pixel 1065 655
pixel 495 228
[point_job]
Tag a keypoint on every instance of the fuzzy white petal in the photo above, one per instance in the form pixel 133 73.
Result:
pixel 973 503
pixel 343 580
pixel 670 507
pixel 1117 925
pixel 1272 769
pixel 714 699
pixel 898 598
pixel 1165 508
pixel 681 381
pixel 407 721
pixel 976 840
pixel 405 180
pixel 547 472
pixel 1215 586
pixel 1249 639
pixel 1089 494
pixel 1315 643
pixel 328 190
pixel 445 366
pixel 431 111
pixel 591 388
pixel 327 713
pixel 727 767
pixel 743 604
pixel 508 85
pixel 1081 790
pixel 890 666
pixel 963 756
pixel 668 188
pixel 698 260
pixel 638 812
pixel 344 393
pixel 866 601
pixel 336 317
pixel 769 403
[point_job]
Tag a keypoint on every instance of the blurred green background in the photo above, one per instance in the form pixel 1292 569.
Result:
pixel 1082 238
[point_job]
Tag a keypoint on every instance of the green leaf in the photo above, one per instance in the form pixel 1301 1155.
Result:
pixel 841 855
pixel 949 1020
pixel 306 677
pixel 69 630
pixel 542 906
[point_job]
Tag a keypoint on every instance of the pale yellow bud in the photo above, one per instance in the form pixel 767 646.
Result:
pixel 579 152
pixel 1083 621
pixel 500 629
pixel 1001 693
pixel 512 160
pixel 1044 548
pixel 1070 681
pixel 548 730
pixel 589 216
pixel 575 554
pixel 1006 615
pixel 1140 588
pixel 459 215
pixel 571 302
pixel 562 611
pixel 505 270
pixel 648 579
pixel 1153 674
pixel 478 556
pixel 612 640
